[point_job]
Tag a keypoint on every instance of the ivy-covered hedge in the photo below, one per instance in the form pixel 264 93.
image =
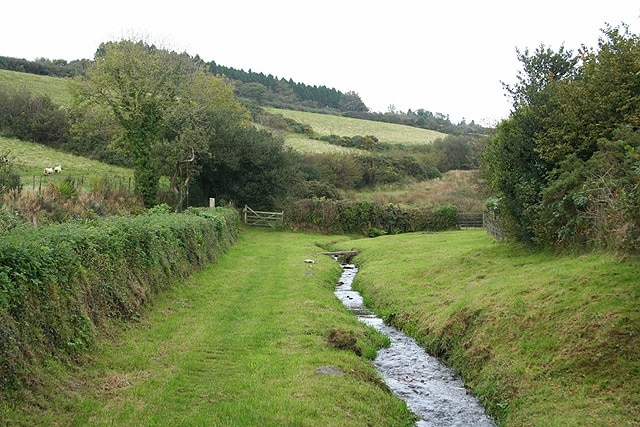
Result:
pixel 369 218
pixel 59 284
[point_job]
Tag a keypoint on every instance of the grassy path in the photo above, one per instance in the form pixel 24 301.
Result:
pixel 238 345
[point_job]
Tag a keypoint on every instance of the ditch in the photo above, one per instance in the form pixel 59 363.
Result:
pixel 432 391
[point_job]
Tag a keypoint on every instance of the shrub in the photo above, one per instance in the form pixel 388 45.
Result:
pixel 9 177
pixel 32 118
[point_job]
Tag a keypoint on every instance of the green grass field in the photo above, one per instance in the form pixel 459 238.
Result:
pixel 31 159
pixel 541 339
pixel 55 87
pixel 326 124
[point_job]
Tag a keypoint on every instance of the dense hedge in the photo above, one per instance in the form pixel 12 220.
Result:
pixel 59 284
pixel 369 218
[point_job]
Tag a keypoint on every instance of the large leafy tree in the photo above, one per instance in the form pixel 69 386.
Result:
pixel 207 106
pixel 164 105
pixel 592 141
pixel 512 165
pixel 139 84
pixel 250 166
pixel 565 164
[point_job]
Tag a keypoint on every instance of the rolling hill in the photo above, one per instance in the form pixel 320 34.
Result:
pixel 55 87
pixel 323 124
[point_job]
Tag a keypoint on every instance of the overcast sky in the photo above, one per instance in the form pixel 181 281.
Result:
pixel 445 57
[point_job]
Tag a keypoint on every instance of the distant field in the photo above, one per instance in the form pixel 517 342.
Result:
pixel 55 87
pixel 31 159
pixel 325 124
pixel 302 144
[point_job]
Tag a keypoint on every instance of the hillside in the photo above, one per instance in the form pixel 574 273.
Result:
pixel 32 158
pixel 54 87
pixel 405 162
pixel 326 124
pixel 322 124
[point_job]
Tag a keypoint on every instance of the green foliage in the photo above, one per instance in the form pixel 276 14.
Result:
pixel 32 118
pixel 250 167
pixel 515 171
pixel 9 176
pixel 367 143
pixel 9 220
pixel 349 172
pixel 44 67
pixel 139 84
pixel 267 89
pixel 59 284
pixel 459 152
pixel 366 217
pixel 564 165
pixel 316 190
pixel 68 189
pixel 168 110
pixel 342 171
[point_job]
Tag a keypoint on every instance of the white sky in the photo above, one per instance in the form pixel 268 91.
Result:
pixel 445 57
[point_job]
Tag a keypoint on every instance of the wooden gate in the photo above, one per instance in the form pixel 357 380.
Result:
pixel 471 219
pixel 262 219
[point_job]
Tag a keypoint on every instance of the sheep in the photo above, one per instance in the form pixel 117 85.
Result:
pixel 48 171
pixel 57 169
pixel 4 159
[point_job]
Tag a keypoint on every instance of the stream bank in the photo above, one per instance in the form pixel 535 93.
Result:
pixel 432 391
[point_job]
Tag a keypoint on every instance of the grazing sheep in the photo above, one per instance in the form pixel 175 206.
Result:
pixel 4 159
pixel 57 169
pixel 48 171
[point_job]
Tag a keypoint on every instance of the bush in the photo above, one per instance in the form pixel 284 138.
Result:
pixel 9 177
pixel 32 118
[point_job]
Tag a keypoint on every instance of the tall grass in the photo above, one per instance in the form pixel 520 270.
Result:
pixel 463 189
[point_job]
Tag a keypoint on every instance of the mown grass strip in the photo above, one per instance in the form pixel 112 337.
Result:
pixel 542 339
pixel 239 345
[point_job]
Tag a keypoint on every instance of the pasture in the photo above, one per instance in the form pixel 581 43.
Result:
pixel 31 159
pixel 326 124
pixel 54 87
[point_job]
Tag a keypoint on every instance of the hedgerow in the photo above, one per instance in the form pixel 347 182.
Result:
pixel 368 218
pixel 60 284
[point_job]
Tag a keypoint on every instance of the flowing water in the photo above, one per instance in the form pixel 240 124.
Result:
pixel 433 392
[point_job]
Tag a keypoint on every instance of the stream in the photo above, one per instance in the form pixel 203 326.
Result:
pixel 432 391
